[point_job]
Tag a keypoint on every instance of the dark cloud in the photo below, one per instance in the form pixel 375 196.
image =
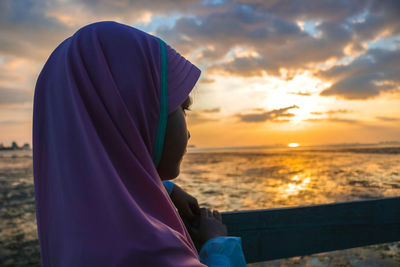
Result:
pixel 245 67
pixel 134 8
pixel 27 31
pixel 330 10
pixel 267 27
pixel 279 43
pixel 32 29
pixel 12 96
pixel 273 115
pixel 382 18
pixel 271 30
pixel 370 74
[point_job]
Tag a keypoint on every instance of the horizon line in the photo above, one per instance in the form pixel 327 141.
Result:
pixel 300 146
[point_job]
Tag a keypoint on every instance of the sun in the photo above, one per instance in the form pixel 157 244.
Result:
pixel 293 145
pixel 302 91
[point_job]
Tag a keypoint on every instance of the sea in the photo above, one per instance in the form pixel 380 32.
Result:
pixel 231 179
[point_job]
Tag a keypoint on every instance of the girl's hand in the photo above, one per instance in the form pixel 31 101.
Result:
pixel 208 225
pixel 186 204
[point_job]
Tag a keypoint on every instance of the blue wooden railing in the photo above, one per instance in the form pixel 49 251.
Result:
pixel 287 232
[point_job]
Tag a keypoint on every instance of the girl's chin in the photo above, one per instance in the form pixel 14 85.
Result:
pixel 170 173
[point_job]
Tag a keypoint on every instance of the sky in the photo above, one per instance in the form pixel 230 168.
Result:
pixel 273 72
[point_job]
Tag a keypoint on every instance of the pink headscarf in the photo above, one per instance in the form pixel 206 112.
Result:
pixel 99 198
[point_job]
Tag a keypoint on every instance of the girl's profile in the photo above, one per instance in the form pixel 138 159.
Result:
pixel 109 132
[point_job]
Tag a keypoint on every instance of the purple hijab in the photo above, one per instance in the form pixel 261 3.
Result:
pixel 99 198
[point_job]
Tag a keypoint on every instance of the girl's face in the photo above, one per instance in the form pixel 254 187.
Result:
pixel 175 142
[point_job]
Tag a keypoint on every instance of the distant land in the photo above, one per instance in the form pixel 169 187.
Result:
pixel 383 143
pixel 14 146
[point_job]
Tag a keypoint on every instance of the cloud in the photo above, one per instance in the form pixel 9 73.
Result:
pixel 329 116
pixel 12 122
pixel 279 43
pixel 301 93
pixel 13 96
pixel 382 20
pixel 273 115
pixel 32 29
pixel 26 30
pixel 335 11
pixel 338 111
pixel 196 118
pixel 201 116
pixel 387 119
pixel 316 113
pixel 343 120
pixel 133 8
pixel 370 74
pixel 241 38
pixel 271 31
pixel 332 112
pixel 207 80
pixel 211 110
pixel 336 120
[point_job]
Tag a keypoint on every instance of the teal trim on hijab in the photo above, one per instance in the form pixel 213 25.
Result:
pixel 162 123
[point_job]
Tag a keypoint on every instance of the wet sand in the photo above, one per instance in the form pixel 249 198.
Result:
pixel 18 237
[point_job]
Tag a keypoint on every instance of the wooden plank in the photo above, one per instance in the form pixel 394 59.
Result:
pixel 287 232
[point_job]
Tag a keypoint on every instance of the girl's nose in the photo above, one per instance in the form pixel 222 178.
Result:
pixel 188 135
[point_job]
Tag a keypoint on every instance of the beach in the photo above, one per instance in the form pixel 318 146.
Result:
pixel 235 179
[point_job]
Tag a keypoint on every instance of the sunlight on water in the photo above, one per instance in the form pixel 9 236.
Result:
pixel 296 185
pixel 268 179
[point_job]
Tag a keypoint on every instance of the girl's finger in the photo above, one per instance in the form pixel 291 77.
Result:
pixel 195 207
pixel 217 215
pixel 209 214
pixel 203 212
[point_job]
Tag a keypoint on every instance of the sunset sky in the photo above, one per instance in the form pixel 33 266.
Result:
pixel 273 72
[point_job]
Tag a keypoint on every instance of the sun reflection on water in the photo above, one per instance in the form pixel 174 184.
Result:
pixel 293 188
pixel 247 180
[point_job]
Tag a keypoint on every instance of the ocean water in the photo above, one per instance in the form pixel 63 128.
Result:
pixel 234 179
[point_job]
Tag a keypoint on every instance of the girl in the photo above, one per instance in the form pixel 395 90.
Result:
pixel 108 127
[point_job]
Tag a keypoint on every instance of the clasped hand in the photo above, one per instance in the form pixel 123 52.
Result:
pixel 201 223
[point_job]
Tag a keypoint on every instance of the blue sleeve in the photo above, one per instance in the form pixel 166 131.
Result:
pixel 169 186
pixel 223 251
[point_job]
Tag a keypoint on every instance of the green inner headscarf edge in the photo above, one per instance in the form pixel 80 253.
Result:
pixel 162 123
